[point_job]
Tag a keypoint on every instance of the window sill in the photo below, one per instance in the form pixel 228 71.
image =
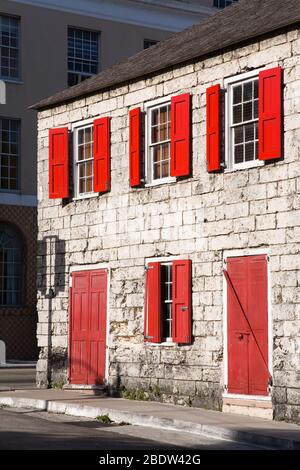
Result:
pixel 171 179
pixel 244 166
pixel 14 81
pixel 87 196
pixel 165 343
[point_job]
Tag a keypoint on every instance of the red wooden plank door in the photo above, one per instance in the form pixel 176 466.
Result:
pixel 247 347
pixel 97 332
pixel 88 327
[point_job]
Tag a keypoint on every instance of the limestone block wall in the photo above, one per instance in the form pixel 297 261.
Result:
pixel 199 217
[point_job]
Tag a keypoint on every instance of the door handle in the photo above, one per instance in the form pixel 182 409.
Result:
pixel 241 336
pixel 183 309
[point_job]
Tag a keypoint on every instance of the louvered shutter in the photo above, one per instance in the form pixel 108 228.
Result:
pixel 152 329
pixel 270 114
pixel 58 163
pixel 102 154
pixel 180 135
pixel 135 147
pixel 213 128
pixel 182 301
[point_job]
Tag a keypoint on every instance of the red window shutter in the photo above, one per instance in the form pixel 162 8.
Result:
pixel 270 114
pixel 102 155
pixel 213 128
pixel 58 163
pixel 135 147
pixel 180 135
pixel 153 304
pixel 182 301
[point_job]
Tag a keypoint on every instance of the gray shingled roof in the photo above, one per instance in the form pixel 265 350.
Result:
pixel 242 21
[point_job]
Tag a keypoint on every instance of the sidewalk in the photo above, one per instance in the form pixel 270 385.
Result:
pixel 194 420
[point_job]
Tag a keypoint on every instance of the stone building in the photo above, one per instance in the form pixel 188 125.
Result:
pixel 169 233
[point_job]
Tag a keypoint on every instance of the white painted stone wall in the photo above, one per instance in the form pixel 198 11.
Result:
pixel 198 217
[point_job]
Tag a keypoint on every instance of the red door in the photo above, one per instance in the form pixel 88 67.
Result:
pixel 88 327
pixel 247 337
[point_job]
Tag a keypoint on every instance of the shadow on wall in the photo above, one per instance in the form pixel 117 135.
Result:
pixel 50 282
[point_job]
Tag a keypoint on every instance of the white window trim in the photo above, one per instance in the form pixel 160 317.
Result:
pixel 162 260
pixel 231 254
pixel 148 161
pixel 228 82
pixel 75 128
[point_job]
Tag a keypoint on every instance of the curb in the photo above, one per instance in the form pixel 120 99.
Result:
pixel 246 437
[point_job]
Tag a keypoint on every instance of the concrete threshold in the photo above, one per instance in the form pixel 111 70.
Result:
pixel 258 437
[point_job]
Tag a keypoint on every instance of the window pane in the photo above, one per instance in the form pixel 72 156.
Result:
pixel 155 138
pixel 163 132
pixel 157 154
pixel 237 94
pixel 249 152
pixel 155 114
pixel 238 135
pixel 247 91
pixel 238 153
pixel 255 109
pixel 255 88
pixel 165 169
pixel 237 114
pixel 163 115
pixel 249 132
pixel 89 169
pixel 81 152
pixel 89 185
pixel 156 171
pixel 247 111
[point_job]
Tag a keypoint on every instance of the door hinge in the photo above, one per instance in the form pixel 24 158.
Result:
pixel 148 267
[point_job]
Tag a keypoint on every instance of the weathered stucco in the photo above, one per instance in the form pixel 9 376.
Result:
pixel 198 217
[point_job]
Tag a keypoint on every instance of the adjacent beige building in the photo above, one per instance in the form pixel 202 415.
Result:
pixel 45 46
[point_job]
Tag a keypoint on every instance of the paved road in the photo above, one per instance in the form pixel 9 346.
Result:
pixel 28 429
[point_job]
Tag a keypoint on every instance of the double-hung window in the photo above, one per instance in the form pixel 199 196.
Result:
pixel 83 55
pixel 242 123
pixel 253 119
pixel 84 160
pixel 159 142
pixel 9 154
pixel 168 316
pixel 9 47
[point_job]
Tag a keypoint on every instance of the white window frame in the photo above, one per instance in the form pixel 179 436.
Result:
pixel 148 158
pixel 75 128
pixel 229 152
pixel 168 339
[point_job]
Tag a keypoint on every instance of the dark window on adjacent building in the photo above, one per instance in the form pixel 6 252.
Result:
pixel 223 3
pixel 149 42
pixel 11 254
pixel 83 55
pixel 9 154
pixel 9 47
